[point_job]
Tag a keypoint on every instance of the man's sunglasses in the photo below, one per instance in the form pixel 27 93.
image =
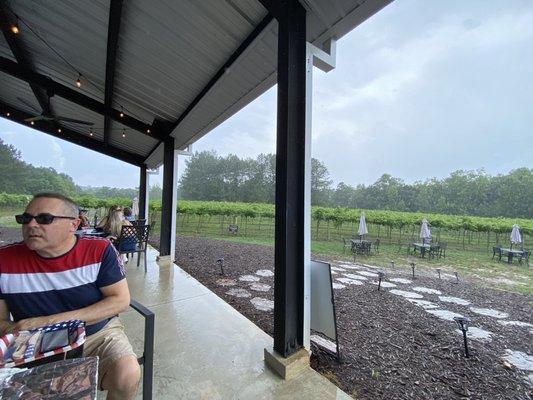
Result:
pixel 42 219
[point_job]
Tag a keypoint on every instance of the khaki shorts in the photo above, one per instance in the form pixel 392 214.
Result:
pixel 110 344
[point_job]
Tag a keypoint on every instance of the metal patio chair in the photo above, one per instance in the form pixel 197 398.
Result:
pixel 443 247
pixel 497 251
pixel 136 236
pixel 147 358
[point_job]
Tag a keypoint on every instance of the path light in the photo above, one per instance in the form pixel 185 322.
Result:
pixel 392 264
pixel 463 324
pixel 380 277
pixel 456 277
pixel 438 272
pixel 413 268
pixel 220 264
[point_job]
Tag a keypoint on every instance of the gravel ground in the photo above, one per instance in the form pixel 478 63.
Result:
pixel 391 348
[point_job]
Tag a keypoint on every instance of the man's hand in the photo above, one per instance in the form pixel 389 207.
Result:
pixel 32 323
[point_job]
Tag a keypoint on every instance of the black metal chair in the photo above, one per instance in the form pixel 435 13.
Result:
pixel 434 251
pixel 497 251
pixel 147 358
pixel 347 244
pixel 138 222
pixel 443 247
pixel 134 239
pixel 376 245
pixel 524 256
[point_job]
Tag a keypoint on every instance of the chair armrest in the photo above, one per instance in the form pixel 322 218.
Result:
pixel 145 312
pixel 147 359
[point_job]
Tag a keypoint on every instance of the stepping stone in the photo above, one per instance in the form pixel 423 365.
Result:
pixel 260 287
pixel 426 305
pixel 354 276
pixel 455 300
pixel 239 293
pixel 226 282
pixel 333 273
pixel 338 285
pixel 328 344
pixel 262 304
pixel 400 280
pixel 338 269
pixel 444 314
pixel 516 323
pixel 349 281
pixel 477 334
pixel 489 312
pixel 349 266
pixel 519 359
pixel 426 290
pixel 264 272
pixel 407 295
pixel 366 273
pixel 248 278
pixel 383 284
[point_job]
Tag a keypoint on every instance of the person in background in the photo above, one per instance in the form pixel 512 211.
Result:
pixel 84 221
pixel 104 220
pixel 113 229
pixel 128 215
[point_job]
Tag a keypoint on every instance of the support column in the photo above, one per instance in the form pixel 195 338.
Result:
pixel 143 193
pixel 290 181
pixel 168 208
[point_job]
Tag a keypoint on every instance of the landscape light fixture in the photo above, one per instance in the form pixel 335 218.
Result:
pixel 438 272
pixel 380 277
pixel 78 81
pixel 413 268
pixel 392 264
pixel 220 264
pixel 456 277
pixel 463 324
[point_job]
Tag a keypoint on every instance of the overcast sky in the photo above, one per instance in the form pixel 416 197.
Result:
pixel 421 89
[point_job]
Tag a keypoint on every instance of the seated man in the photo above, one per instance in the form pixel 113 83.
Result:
pixel 54 275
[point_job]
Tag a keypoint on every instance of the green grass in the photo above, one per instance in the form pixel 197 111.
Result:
pixel 7 217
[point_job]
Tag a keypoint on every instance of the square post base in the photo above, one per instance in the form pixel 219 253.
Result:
pixel 164 261
pixel 289 367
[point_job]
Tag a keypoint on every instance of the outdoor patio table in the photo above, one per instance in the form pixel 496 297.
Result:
pixel 360 244
pixel 89 232
pixel 423 247
pixel 511 253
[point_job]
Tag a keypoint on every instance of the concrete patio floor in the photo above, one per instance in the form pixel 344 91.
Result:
pixel 205 349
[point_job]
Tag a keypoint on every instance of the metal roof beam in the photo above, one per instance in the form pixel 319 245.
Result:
pixel 113 29
pixel 26 74
pixel 72 136
pixel 21 55
pixel 272 6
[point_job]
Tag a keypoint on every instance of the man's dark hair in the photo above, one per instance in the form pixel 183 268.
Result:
pixel 70 206
pixel 127 211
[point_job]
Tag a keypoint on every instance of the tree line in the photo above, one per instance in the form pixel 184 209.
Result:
pixel 209 176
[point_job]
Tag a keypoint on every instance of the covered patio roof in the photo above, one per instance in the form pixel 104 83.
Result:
pixel 148 71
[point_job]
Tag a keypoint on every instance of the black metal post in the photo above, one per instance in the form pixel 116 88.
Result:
pixel 467 354
pixel 142 193
pixel 290 181
pixel 168 188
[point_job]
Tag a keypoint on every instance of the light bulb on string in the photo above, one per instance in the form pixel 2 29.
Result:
pixel 78 81
pixel 8 114
pixel 148 131
pixel 15 28
pixel 123 133
pixel 90 131
pixel 32 123
pixel 121 112
pixel 59 130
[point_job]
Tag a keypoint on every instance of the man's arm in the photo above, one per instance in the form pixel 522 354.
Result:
pixel 6 325
pixel 116 299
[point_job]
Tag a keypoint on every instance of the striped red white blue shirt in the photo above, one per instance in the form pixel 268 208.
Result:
pixel 34 286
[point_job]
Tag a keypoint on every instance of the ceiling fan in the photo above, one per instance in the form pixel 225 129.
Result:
pixel 46 117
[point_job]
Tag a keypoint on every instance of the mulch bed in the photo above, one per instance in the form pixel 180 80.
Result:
pixel 391 349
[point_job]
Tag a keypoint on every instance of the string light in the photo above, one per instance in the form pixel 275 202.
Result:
pixel 121 112
pixel 59 130
pixel 90 131
pixel 8 113
pixel 78 81
pixel 32 123
pixel 148 131
pixel 123 133
pixel 15 28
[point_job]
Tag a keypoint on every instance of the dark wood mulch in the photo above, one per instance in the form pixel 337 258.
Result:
pixel 391 349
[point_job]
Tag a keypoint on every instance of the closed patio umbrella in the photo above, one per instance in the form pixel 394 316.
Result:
pixel 516 237
pixel 363 230
pixel 425 233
